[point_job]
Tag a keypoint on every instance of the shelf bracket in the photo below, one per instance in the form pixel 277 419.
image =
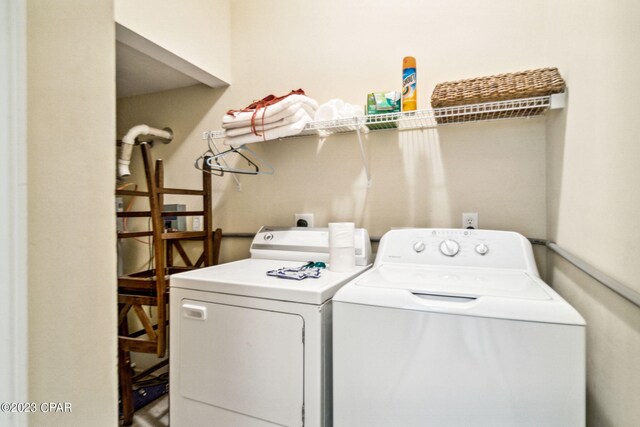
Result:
pixel 364 157
pixel 558 100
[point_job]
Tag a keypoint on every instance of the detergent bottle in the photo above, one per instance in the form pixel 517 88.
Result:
pixel 409 93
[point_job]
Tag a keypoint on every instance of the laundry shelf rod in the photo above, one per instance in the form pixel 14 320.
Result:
pixel 616 286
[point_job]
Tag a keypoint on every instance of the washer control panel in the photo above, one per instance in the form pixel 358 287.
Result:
pixel 456 247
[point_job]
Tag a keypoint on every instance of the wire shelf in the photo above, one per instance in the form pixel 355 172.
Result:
pixel 425 119
pixel 328 127
pixel 525 107
pixel 215 134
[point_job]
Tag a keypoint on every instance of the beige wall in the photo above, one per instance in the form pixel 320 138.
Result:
pixel 419 178
pixel 571 177
pixel 593 192
pixel 71 155
pixel 194 30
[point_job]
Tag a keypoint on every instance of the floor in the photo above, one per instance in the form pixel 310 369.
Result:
pixel 155 414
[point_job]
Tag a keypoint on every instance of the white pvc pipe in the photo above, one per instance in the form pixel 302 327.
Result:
pixel 129 140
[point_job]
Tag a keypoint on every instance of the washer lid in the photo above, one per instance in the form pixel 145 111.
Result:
pixel 456 282
pixel 248 277
pixel 492 293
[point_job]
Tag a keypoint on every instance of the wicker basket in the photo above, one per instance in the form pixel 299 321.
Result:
pixel 502 87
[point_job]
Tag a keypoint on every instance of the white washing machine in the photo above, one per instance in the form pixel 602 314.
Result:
pixel 248 349
pixel 456 328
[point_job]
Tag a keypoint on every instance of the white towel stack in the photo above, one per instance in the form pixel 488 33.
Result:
pixel 286 117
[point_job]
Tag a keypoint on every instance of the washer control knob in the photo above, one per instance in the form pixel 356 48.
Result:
pixel 449 247
pixel 482 249
pixel 419 246
pixel 268 237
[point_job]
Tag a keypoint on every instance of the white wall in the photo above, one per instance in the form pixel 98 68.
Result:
pixel 593 192
pixel 194 30
pixel 71 158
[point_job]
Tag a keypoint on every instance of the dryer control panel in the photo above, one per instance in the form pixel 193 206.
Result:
pixel 305 244
pixel 457 248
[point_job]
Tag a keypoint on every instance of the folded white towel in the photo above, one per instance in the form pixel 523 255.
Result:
pixel 270 118
pixel 284 121
pixel 275 133
pixel 305 102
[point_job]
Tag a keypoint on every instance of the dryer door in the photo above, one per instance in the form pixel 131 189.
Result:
pixel 244 360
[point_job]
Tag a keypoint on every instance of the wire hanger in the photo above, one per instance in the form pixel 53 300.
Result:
pixel 215 162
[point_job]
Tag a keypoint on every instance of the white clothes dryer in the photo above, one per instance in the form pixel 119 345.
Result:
pixel 252 350
pixel 455 327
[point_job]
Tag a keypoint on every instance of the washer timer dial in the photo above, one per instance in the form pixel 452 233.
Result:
pixel 449 247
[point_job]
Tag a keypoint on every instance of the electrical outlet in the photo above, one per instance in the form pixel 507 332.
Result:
pixel 304 220
pixel 470 220
pixel 197 223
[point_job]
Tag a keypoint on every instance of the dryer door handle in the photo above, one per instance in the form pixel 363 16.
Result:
pixel 193 311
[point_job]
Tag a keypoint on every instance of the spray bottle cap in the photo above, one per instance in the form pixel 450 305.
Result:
pixel 409 62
